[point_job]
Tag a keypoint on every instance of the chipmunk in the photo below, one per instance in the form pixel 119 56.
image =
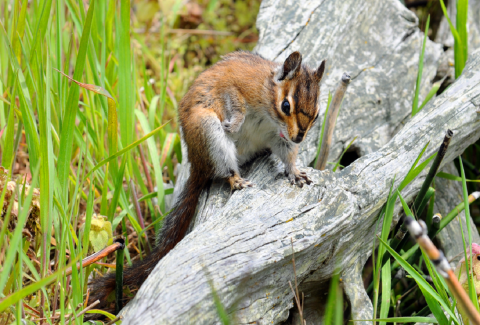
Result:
pixel 240 106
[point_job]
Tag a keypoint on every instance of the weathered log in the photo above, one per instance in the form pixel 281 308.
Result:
pixel 241 240
pixel 244 247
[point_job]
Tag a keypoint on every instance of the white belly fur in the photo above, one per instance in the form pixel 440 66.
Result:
pixel 256 134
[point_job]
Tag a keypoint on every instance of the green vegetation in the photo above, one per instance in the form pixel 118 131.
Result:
pixel 104 156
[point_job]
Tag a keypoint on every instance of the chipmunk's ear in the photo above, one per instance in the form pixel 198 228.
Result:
pixel 320 71
pixel 290 67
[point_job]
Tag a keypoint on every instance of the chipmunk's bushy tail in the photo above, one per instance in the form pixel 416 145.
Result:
pixel 174 228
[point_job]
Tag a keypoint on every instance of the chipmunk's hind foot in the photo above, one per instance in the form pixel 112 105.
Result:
pixel 238 183
pixel 298 177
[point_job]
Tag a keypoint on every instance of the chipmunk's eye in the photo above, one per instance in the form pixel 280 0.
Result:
pixel 286 107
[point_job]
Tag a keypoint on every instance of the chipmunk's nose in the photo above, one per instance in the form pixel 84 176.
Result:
pixel 299 137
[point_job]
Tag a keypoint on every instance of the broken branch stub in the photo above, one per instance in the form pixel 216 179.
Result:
pixel 431 173
pixel 331 120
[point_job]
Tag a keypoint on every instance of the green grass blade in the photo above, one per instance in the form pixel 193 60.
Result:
pixel 422 284
pixel 104 313
pixel 67 133
pixel 386 225
pixel 439 285
pixel 29 122
pixel 18 35
pixel 41 28
pixel 434 306
pixel 221 312
pixel 152 148
pixel 406 256
pixel 460 59
pixel 462 17
pixel 28 290
pixel 452 214
pixel 331 301
pixel 415 170
pixel 431 206
pixel 167 148
pixel 471 287
pixel 126 109
pixel 117 191
pixel 27 112
pixel 8 150
pixel 420 70
pixel 341 156
pixel 429 320
pixel 386 289
pixel 456 178
pixel 431 93
pixel 407 210
pixel 88 222
pixel 46 168
pixel 17 233
pixel 152 111
pixel 126 149
pixel 112 127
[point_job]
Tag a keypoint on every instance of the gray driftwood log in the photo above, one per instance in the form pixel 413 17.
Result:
pixel 240 242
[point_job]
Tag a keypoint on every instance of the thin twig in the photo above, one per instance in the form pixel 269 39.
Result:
pixel 429 179
pixel 113 321
pixel 456 211
pixel 85 310
pixel 331 120
pixel 145 166
pixel 67 319
pixel 85 304
pixel 432 172
pixel 97 256
pixel 56 285
pixel 137 208
pixel 295 292
pixel 294 269
pixel 150 186
pixel 296 299
pixel 32 309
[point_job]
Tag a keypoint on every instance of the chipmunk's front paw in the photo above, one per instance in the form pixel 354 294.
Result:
pixel 227 126
pixel 231 126
pixel 298 177
pixel 238 183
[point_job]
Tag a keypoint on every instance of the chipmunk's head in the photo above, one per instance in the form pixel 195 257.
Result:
pixel 296 98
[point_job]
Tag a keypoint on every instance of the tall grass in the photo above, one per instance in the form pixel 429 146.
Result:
pixel 438 299
pixel 79 152
pixel 80 141
pixel 87 107
pixel 460 34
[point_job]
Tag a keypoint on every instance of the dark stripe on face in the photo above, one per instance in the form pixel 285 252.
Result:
pixel 306 114
pixel 275 109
